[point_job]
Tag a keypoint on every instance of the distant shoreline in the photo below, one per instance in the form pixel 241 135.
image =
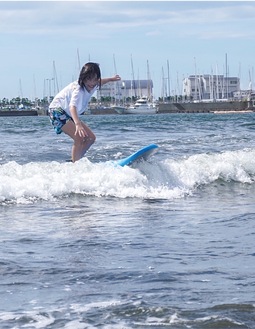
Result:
pixel 200 107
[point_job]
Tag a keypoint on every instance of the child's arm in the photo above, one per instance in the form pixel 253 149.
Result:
pixel 112 79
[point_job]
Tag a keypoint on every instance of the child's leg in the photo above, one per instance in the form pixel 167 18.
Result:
pixel 81 144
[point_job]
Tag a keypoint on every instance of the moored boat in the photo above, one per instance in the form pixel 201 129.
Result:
pixel 141 106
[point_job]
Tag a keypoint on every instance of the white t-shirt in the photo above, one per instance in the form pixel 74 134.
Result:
pixel 73 94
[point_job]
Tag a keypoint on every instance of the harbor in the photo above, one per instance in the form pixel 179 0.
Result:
pixel 203 107
pixel 200 94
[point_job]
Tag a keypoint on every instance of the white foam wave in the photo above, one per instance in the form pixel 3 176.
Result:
pixel 196 170
pixel 167 179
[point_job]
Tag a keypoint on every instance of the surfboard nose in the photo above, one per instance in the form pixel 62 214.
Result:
pixel 141 155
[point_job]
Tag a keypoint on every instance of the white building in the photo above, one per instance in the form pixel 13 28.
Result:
pixel 210 87
pixel 127 89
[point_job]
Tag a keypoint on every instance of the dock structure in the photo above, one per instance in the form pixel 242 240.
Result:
pixel 206 107
pixel 14 113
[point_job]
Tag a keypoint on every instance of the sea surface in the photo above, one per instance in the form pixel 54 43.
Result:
pixel 169 243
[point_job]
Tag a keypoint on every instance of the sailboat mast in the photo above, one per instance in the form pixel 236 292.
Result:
pixel 55 78
pixel 148 82
pixel 168 79
pixel 133 76
pixel 78 57
pixel 226 60
pixel 195 78
pixel 163 85
pixel 20 89
pixel 117 86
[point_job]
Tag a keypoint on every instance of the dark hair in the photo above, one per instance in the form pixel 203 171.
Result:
pixel 89 71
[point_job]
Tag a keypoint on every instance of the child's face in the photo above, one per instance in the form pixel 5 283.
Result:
pixel 91 83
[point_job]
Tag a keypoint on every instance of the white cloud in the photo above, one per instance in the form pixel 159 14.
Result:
pixel 93 18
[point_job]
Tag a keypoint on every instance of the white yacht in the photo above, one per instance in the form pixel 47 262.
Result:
pixel 141 106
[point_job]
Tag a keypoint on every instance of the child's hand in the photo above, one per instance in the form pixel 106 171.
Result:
pixel 79 130
pixel 116 78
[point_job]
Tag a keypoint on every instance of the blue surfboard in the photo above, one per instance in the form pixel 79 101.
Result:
pixel 141 155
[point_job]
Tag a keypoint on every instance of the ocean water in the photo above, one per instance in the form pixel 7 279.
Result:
pixel 169 243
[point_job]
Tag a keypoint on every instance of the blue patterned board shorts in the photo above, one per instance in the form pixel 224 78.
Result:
pixel 58 118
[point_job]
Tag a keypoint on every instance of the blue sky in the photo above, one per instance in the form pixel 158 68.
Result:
pixel 192 36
